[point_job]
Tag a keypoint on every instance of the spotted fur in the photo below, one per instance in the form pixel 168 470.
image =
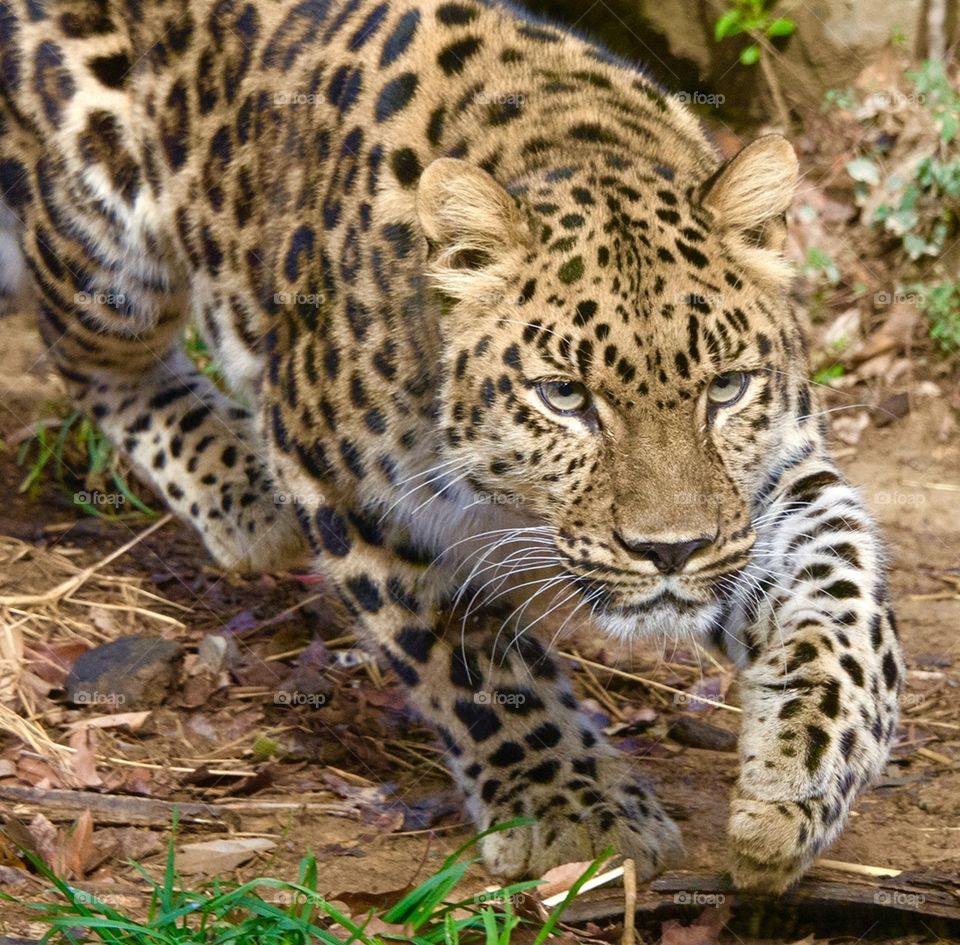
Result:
pixel 395 222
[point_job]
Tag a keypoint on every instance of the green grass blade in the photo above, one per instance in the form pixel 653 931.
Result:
pixel 308 879
pixel 496 828
pixel 559 909
pixel 419 904
pixel 121 483
pixel 113 927
pixel 170 872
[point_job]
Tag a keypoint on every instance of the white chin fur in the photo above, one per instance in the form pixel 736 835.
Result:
pixel 665 623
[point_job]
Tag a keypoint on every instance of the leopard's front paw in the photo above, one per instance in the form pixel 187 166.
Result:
pixel 771 842
pixel 580 812
pixel 264 536
pixel 801 765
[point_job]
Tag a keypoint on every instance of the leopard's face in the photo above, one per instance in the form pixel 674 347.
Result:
pixel 627 379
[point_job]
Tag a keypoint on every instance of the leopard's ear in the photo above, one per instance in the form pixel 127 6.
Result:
pixel 475 229
pixel 748 197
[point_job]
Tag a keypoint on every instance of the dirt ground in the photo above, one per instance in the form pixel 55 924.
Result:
pixel 353 778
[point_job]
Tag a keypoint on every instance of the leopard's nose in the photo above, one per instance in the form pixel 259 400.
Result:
pixel 668 557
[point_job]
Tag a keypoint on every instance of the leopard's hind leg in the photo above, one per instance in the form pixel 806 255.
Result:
pixel 200 451
pixel 196 446
pixel 112 314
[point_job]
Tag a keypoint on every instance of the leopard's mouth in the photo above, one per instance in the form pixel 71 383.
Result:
pixel 662 609
pixel 681 594
pixel 664 599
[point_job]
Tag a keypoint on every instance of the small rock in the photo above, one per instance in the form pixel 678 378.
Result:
pixel 849 428
pixel 892 408
pixel 349 659
pixel 124 674
pixel 695 733
pixel 304 686
pixel 217 653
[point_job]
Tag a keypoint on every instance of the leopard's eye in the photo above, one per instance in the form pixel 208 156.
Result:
pixel 565 397
pixel 728 388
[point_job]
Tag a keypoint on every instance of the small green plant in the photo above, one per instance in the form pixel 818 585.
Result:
pixel 922 210
pixel 919 205
pixel 939 95
pixel 73 450
pixel 196 348
pixel 940 302
pixel 754 19
pixel 819 266
pixel 898 37
pixel 844 99
pixel 295 913
pixel 827 374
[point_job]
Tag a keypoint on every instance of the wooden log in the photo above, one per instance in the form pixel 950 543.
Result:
pixel 906 901
pixel 115 809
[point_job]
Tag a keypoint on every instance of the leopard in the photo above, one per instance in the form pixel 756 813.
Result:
pixel 498 333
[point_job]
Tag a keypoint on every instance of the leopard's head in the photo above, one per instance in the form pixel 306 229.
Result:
pixel 622 362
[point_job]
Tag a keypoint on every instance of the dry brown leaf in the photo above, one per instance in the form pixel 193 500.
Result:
pixel 36 771
pixel 10 855
pixel 217 856
pixel 560 878
pixel 83 763
pixel 198 688
pixel 125 844
pixel 45 839
pixel 52 662
pixel 136 781
pixel 78 850
pixel 704 930
pixel 362 903
pixel 894 334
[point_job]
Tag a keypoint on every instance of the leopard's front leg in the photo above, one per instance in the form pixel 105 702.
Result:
pixel 513 735
pixel 547 763
pixel 822 669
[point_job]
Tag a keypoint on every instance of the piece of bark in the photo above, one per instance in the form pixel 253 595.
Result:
pixel 116 809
